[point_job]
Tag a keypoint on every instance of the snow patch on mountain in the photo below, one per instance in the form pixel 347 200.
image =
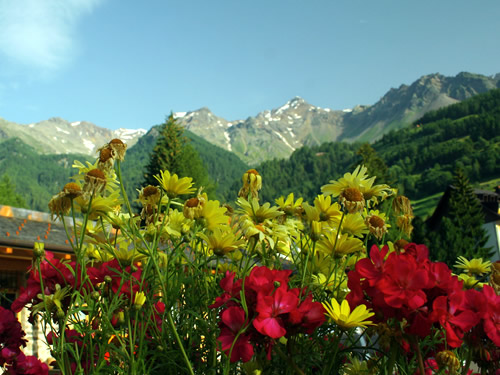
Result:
pixel 228 139
pixel 62 130
pixel 89 144
pixel 284 140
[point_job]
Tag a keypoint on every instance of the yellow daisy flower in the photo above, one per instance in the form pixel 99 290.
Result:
pixel 99 205
pixel 328 211
pixel 470 281
pixel 173 185
pixel 474 266
pixel 257 213
pixel 356 367
pixel 214 215
pixel 339 244
pixel 344 317
pixel 289 206
pixel 221 241
pixel 346 186
pixel 149 195
pixel 354 225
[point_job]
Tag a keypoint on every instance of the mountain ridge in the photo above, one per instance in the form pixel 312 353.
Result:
pixel 273 133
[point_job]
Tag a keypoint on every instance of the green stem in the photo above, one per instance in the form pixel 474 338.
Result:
pixel 467 362
pixel 290 361
pixel 124 194
pixel 420 360
pixel 174 330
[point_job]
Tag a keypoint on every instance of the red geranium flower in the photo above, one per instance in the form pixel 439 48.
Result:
pixel 232 321
pixel 447 310
pixel 269 309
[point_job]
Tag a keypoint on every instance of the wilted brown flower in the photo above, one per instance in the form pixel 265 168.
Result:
pixel 95 181
pixel 352 199
pixel 119 148
pixel 149 195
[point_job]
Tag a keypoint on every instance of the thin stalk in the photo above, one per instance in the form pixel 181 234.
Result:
pixel 124 194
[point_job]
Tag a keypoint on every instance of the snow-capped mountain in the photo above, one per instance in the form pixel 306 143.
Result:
pixel 278 132
pixel 58 136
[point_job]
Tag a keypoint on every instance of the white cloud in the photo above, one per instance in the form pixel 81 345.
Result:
pixel 40 33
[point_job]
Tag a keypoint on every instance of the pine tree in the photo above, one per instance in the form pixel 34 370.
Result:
pixel 173 152
pixel 374 163
pixel 8 195
pixel 461 230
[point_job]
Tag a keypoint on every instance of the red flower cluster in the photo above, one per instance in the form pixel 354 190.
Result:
pixel 408 286
pixel 273 309
pixel 11 341
pixel 53 272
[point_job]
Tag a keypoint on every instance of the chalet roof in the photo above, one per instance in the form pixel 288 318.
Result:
pixel 20 228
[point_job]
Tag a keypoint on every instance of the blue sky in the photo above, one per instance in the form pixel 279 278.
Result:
pixel 128 63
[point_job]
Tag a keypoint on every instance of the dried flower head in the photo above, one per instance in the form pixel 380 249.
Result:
pixel 352 199
pixel 402 205
pixel 59 205
pixel 95 181
pixel 399 245
pixel 193 207
pixel 403 222
pixel 376 223
pixel 495 276
pixel 149 195
pixel 72 190
pixel 119 148
pixel 106 158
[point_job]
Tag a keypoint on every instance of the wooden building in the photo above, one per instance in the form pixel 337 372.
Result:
pixel 19 230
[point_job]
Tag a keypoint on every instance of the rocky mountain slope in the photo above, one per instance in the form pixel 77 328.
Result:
pixel 277 133
pixel 272 133
pixel 58 136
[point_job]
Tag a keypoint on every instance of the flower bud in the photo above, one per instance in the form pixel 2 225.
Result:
pixel 38 250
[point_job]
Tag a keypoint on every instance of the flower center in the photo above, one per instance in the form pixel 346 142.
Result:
pixel 150 191
pixel 192 202
pixel 96 173
pixel 116 141
pixel 105 155
pixel 376 222
pixel 353 194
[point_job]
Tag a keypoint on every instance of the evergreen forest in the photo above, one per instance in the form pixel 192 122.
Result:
pixel 419 160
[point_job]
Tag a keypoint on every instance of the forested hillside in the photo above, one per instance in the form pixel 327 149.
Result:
pixel 38 177
pixel 421 157
pixel 223 167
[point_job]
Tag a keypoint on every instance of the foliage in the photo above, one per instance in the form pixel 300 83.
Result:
pixel 8 194
pixel 190 287
pixel 36 177
pixel 173 153
pixel 421 157
pixel 459 231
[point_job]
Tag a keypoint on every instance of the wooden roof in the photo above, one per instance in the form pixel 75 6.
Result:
pixel 20 229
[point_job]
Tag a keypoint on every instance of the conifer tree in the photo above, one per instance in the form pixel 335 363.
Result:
pixel 8 195
pixel 461 230
pixel 373 162
pixel 173 152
